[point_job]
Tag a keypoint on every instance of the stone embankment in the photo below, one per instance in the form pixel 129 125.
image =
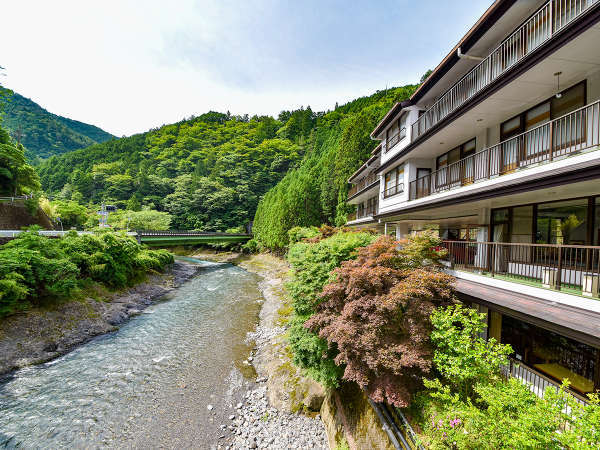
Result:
pixel 42 334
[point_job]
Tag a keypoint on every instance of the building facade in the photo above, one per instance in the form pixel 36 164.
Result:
pixel 498 151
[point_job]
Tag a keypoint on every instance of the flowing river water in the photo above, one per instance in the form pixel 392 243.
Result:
pixel 148 384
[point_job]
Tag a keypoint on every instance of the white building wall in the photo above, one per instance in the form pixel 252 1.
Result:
pixel 410 173
pixel 412 115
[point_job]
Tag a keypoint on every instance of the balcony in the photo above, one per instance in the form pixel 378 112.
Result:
pixel 557 139
pixel 363 212
pixel 363 184
pixel 551 18
pixel 393 140
pixel 397 189
pixel 572 269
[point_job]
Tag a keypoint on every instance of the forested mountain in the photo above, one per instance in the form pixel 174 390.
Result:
pixel 45 134
pixel 316 191
pixel 208 172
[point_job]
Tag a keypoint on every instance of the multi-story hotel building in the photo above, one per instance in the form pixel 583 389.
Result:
pixel 499 151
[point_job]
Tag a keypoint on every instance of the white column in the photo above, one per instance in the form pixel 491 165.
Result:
pixel 401 231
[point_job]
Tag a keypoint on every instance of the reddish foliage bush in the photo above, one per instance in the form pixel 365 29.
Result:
pixel 377 315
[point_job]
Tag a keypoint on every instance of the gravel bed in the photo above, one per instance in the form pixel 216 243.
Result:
pixel 254 424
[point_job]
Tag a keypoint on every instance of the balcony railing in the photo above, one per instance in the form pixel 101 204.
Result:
pixel 393 140
pixel 361 213
pixel 573 269
pixel 397 189
pixel 552 17
pixel 536 381
pixel 561 137
pixel 363 183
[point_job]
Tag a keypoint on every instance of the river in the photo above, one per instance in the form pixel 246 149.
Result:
pixel 148 384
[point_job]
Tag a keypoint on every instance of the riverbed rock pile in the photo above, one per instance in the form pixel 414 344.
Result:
pixel 257 425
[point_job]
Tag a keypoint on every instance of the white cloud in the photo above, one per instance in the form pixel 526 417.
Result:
pixel 128 65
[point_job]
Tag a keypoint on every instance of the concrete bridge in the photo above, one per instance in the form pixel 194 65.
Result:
pixel 155 238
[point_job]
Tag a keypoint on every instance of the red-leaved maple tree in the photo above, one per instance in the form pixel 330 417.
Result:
pixel 377 313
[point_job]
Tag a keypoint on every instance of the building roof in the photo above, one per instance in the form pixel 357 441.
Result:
pixel 485 22
pixel 376 151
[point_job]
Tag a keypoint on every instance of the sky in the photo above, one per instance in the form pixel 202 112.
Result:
pixel 128 66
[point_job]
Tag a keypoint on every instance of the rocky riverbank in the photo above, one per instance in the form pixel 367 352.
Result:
pixel 39 335
pixel 281 409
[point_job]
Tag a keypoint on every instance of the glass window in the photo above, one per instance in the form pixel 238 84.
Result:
pixel 510 128
pixel 537 116
pixel 500 215
pixel 468 148
pixel 394 177
pixel 555 355
pixel 522 224
pixel 562 223
pixel 570 100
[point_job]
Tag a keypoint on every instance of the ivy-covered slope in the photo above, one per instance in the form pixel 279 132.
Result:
pixel 315 192
pixel 45 134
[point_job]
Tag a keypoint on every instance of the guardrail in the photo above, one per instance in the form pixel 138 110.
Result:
pixel 393 141
pixel 552 17
pixel 18 197
pixel 389 192
pixel 571 267
pixel 363 183
pixel 536 381
pixel 187 233
pixel 52 233
pixel 567 135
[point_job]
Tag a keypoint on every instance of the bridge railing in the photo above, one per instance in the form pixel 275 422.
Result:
pixel 187 233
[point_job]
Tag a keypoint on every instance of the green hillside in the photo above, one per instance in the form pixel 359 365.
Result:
pixel 316 192
pixel 45 134
pixel 210 172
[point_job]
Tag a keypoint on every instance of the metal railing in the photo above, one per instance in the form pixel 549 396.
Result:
pixel 552 17
pixel 18 197
pixel 363 183
pixel 575 268
pixel 536 381
pixel 186 233
pixel 392 141
pixel 397 189
pixel 567 135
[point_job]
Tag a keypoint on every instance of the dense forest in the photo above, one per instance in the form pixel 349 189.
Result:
pixel 44 134
pixel 207 172
pixel 211 172
pixel 315 192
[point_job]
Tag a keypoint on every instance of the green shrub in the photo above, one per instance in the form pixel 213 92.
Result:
pixel 471 406
pixel 297 234
pixel 313 264
pixel 35 268
pixel 251 247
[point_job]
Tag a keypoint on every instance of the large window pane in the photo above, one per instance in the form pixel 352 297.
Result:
pixel 562 223
pixel 522 224
pixel 556 356
pixel 570 100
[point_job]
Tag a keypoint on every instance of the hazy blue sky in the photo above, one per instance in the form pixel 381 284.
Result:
pixel 128 66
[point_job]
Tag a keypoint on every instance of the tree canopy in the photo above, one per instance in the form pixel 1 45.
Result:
pixel 17 176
